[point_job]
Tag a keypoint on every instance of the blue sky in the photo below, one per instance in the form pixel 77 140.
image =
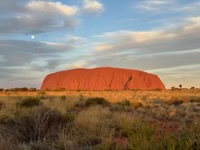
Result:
pixel 157 36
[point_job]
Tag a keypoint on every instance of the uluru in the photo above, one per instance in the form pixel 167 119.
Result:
pixel 104 78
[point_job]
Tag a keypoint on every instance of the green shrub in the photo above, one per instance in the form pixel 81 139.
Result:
pixel 29 102
pixel 124 103
pixel 96 101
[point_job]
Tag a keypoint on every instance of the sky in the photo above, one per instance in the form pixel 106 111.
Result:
pixel 38 37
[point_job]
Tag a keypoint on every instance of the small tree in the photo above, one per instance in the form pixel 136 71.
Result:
pixel 180 86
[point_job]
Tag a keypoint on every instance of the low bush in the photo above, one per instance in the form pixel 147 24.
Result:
pixel 96 101
pixel 91 102
pixel 124 103
pixel 29 102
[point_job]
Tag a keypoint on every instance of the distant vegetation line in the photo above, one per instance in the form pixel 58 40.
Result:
pixel 63 89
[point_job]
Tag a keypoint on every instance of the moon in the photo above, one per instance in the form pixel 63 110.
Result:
pixel 32 37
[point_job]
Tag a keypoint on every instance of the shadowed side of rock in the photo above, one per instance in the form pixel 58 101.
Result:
pixel 102 79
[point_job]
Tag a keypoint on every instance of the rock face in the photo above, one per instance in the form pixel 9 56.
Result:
pixel 102 79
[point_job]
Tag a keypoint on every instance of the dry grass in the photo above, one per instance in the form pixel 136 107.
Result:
pixel 116 96
pixel 78 120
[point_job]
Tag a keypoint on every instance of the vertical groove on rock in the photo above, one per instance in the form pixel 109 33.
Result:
pixel 111 81
pixel 126 86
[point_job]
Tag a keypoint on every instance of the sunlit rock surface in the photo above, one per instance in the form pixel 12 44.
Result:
pixel 104 78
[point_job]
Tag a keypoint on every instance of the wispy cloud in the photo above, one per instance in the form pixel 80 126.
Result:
pixel 166 6
pixel 180 38
pixel 153 6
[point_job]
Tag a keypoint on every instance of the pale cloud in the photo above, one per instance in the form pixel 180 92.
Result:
pixel 51 8
pixel 103 47
pixel 93 6
pixel 79 64
pixel 32 17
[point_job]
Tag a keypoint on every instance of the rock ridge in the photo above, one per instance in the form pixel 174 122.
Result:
pixel 104 78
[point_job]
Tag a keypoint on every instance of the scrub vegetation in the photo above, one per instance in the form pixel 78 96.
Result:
pixel 100 120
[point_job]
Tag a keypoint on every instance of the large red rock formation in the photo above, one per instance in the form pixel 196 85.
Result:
pixel 102 79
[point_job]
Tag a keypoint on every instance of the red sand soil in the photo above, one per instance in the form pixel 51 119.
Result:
pixel 102 79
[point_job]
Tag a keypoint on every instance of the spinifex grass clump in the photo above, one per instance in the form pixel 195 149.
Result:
pixel 29 102
pixel 41 125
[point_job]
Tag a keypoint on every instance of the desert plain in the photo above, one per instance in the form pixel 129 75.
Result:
pixel 127 119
